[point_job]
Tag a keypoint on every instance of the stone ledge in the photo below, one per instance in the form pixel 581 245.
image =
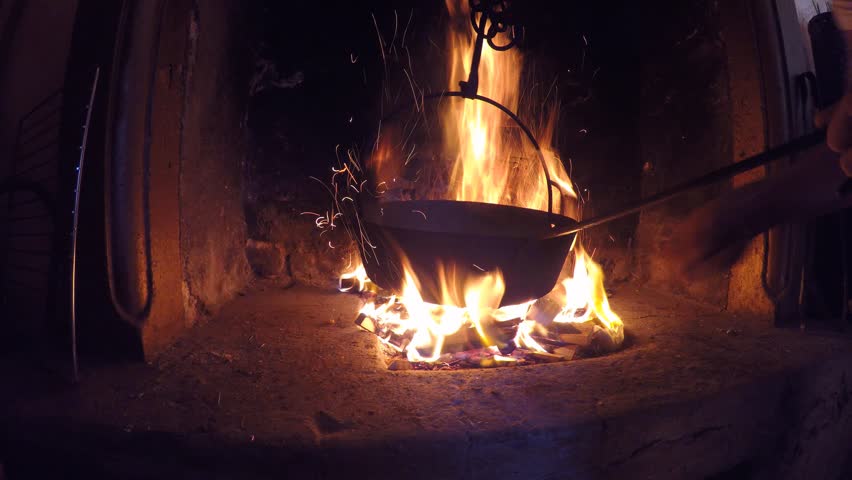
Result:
pixel 252 394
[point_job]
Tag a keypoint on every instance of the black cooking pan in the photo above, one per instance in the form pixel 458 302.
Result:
pixel 468 239
pixel 455 242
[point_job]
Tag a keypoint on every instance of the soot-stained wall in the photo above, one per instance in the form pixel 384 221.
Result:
pixel 685 132
pixel 180 147
pixel 213 152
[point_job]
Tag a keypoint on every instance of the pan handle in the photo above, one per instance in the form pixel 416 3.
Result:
pixel 802 143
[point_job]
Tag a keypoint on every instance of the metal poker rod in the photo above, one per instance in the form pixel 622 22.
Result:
pixel 795 146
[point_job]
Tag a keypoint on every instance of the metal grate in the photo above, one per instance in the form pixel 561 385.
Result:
pixel 39 220
pixel 28 218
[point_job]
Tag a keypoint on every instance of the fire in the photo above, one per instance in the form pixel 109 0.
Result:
pixel 356 280
pixel 474 131
pixel 491 162
pixel 421 329
pixel 426 326
pixel 585 297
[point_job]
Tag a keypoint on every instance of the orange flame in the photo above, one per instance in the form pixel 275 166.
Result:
pixel 584 292
pixel 491 163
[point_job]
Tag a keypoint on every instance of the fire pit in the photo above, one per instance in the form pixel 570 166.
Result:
pixel 574 320
pixel 469 280
pixel 281 381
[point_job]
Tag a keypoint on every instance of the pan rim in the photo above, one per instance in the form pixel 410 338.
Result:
pixel 485 219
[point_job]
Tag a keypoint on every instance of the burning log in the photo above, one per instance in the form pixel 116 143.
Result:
pixel 585 328
pixel 395 340
pixel 399 342
pixel 546 309
pixel 579 339
pixel 600 341
pixel 367 323
pixel 497 361
pixel 547 341
pixel 577 333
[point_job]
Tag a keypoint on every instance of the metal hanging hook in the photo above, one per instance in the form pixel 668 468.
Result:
pixel 489 18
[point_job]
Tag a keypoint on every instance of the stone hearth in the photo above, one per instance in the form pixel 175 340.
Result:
pixel 283 384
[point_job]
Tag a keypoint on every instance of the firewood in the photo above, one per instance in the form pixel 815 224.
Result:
pixel 492 361
pixel 579 339
pixel 550 342
pixel 601 342
pixel 578 327
pixel 488 362
pixel 546 357
pixel 545 309
pixel 566 352
pixel 366 323
pixel 399 342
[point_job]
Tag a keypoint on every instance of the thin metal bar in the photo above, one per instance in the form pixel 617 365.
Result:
pixel 801 143
pixel 32 153
pixel 35 166
pixel 844 268
pixel 28 128
pixel 40 104
pixel 10 199
pixel 34 132
pixel 43 116
pixel 75 224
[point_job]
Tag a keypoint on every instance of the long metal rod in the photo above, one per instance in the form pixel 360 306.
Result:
pixel 89 109
pixel 797 145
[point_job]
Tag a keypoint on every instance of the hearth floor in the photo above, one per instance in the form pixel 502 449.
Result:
pixel 282 383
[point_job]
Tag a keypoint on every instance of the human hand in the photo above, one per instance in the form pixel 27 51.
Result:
pixel 838 121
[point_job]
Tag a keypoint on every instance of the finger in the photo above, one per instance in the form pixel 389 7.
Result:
pixel 838 135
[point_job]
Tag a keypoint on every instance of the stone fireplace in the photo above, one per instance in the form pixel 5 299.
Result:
pixel 210 333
